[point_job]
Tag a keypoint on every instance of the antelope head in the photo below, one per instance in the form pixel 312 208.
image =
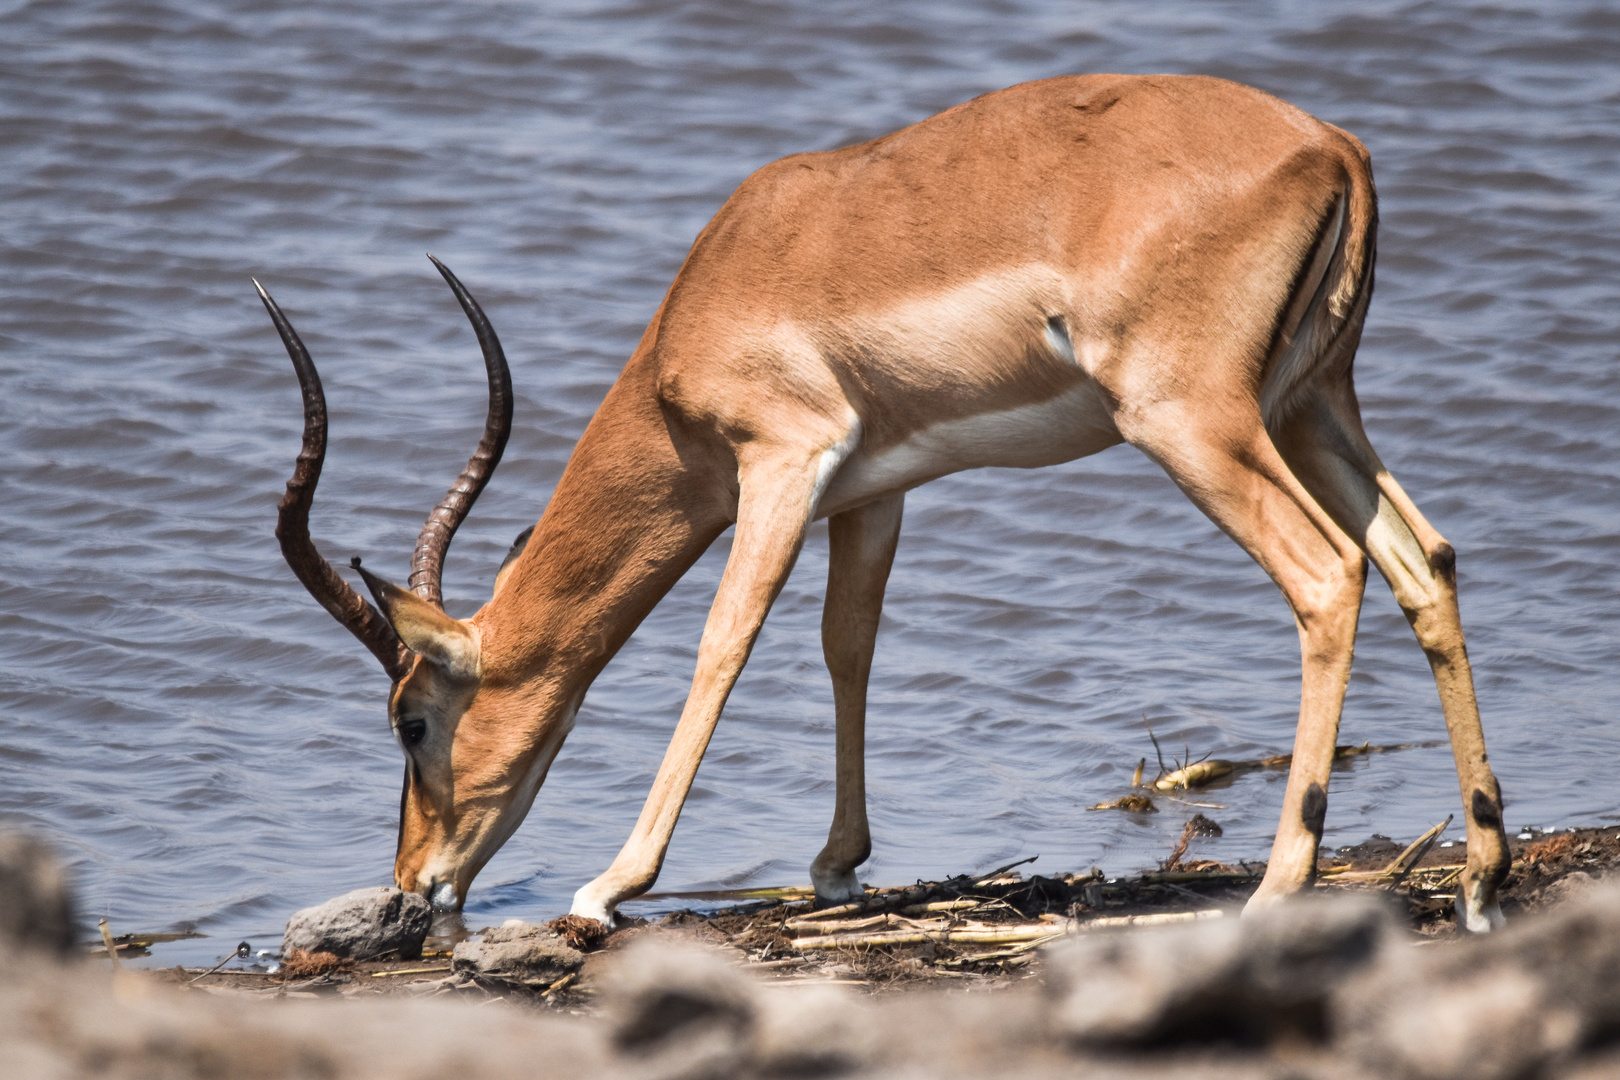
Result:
pixel 469 747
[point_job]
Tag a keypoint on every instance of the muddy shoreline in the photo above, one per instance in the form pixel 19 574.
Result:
pixel 968 932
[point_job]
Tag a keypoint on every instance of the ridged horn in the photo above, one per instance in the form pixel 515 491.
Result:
pixel 292 524
pixel 427 561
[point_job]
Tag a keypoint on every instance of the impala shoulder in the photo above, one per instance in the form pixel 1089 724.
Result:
pixel 746 378
pixel 772 192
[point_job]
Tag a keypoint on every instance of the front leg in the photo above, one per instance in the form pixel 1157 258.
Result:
pixel 861 551
pixel 775 502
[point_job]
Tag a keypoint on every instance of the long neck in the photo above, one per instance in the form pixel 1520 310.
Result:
pixel 629 517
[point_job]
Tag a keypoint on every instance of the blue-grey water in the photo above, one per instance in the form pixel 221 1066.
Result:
pixel 208 748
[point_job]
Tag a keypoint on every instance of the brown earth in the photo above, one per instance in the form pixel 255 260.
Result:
pixel 760 935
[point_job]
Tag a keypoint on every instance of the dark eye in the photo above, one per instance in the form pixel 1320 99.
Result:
pixel 411 731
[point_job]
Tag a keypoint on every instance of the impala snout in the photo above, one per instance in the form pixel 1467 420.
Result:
pixel 440 887
pixel 470 780
pixel 442 882
pixel 428 863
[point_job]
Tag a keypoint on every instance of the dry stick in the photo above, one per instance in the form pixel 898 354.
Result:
pixel 1180 849
pixel 1016 950
pixel 1196 774
pixel 1156 751
pixel 1406 860
pixel 1158 877
pixel 112 950
pixel 1156 919
pixel 879 899
pixel 841 909
pixel 986 935
pixel 992 875
pixel 784 893
pixel 560 984
pixel 963 903
pixel 833 926
pixel 1000 954
pixel 1198 777
pixel 407 971
pixel 243 949
pixel 1449 878
pixel 1180 889
pixel 1200 805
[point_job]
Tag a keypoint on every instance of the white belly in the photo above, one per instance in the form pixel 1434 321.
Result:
pixel 1063 428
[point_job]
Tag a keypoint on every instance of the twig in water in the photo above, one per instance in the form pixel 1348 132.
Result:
pixel 1156 751
pixel 1200 805
pixel 992 875
pixel 112 950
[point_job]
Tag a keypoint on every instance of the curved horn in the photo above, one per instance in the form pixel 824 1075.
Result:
pixel 292 525
pixel 427 562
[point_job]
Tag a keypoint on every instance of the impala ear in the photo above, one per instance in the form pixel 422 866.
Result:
pixel 425 629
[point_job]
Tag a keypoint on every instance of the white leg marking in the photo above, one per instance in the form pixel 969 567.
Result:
pixel 836 888
pixel 831 460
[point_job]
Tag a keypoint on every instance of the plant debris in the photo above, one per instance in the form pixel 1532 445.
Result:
pixel 578 931
pixel 307 965
pixel 973 930
pixel 1199 825
pixel 1136 804
pixel 1188 773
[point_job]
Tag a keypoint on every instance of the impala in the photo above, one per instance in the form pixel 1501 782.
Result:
pixel 1180 263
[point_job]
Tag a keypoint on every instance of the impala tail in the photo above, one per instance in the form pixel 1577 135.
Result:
pixel 1320 327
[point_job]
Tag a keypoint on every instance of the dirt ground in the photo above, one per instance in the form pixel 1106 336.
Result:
pixel 970 932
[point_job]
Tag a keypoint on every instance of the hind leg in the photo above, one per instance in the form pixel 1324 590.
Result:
pixel 1325 446
pixel 1227 465
pixel 861 552
pixel 862 543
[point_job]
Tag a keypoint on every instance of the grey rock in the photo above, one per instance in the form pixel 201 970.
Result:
pixel 1569 887
pixel 683 1012
pixel 812 1031
pixel 36 904
pixel 1501 1025
pixel 1258 979
pixel 365 924
pixel 514 930
pixel 518 952
pixel 76 1022
pixel 1500 1007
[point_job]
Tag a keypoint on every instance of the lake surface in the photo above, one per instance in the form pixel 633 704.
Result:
pixel 208 748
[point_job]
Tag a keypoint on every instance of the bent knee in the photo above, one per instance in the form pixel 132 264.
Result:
pixel 1329 606
pixel 1432 610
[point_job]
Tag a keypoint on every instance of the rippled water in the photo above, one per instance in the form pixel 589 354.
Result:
pixel 210 748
